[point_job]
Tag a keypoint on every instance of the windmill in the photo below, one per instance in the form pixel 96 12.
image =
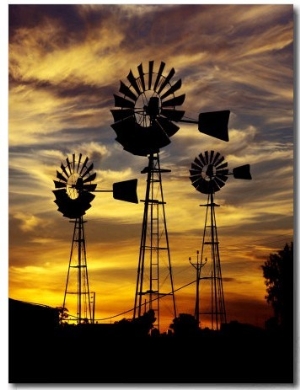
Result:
pixel 208 174
pixel 144 123
pixel 73 196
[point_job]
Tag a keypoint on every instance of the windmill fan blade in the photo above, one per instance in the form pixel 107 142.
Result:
pixel 225 164
pixel 156 136
pixel 60 176
pixel 84 165
pixel 194 173
pixel 211 157
pixel 198 162
pixel 74 208
pixel 172 115
pixel 69 165
pixel 73 162
pixel 216 186
pixel 176 101
pixel 197 166
pixel 216 158
pixel 79 160
pixel 169 127
pixel 141 73
pixel 135 138
pixel 88 170
pixel 222 172
pixel 122 102
pixel 173 89
pixel 221 180
pixel 86 198
pixel 214 124
pixel 242 172
pixel 122 114
pixel 133 82
pixel 206 157
pixel 127 91
pixel 196 181
pixel 219 161
pixel 166 80
pixel 150 74
pixel 64 170
pixel 124 127
pixel 204 186
pixel 90 178
pixel 126 191
pixel 126 131
pixel 59 184
pixel 202 159
pixel 161 69
pixel 60 195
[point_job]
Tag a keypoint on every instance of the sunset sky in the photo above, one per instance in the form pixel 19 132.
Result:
pixel 66 63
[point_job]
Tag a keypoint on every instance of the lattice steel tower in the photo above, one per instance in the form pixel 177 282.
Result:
pixel 144 123
pixel 73 197
pixel 208 174
pixel 154 265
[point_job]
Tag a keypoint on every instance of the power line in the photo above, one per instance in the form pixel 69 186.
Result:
pixel 154 299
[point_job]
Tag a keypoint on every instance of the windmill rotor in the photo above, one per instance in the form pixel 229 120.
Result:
pixel 144 116
pixel 74 186
pixel 209 172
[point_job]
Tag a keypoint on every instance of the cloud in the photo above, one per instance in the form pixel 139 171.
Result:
pixel 66 63
pixel 28 222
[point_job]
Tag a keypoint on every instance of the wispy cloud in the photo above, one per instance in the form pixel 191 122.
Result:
pixel 65 64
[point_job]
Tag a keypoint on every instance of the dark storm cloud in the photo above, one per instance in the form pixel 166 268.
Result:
pixel 24 16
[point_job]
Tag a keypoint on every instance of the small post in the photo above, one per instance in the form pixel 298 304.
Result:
pixel 198 265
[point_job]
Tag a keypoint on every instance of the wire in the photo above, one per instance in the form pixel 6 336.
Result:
pixel 154 299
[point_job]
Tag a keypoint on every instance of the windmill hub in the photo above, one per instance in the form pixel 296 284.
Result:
pixel 73 185
pixel 209 172
pixel 150 108
pixel 153 108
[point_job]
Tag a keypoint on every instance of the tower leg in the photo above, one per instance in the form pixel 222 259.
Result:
pixel 154 248
pixel 77 283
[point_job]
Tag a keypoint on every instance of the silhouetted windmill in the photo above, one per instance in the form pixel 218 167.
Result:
pixel 144 123
pixel 73 193
pixel 208 174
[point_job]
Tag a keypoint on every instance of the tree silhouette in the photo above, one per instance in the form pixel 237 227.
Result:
pixel 140 326
pixel 63 314
pixel 184 325
pixel 144 323
pixel 278 274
